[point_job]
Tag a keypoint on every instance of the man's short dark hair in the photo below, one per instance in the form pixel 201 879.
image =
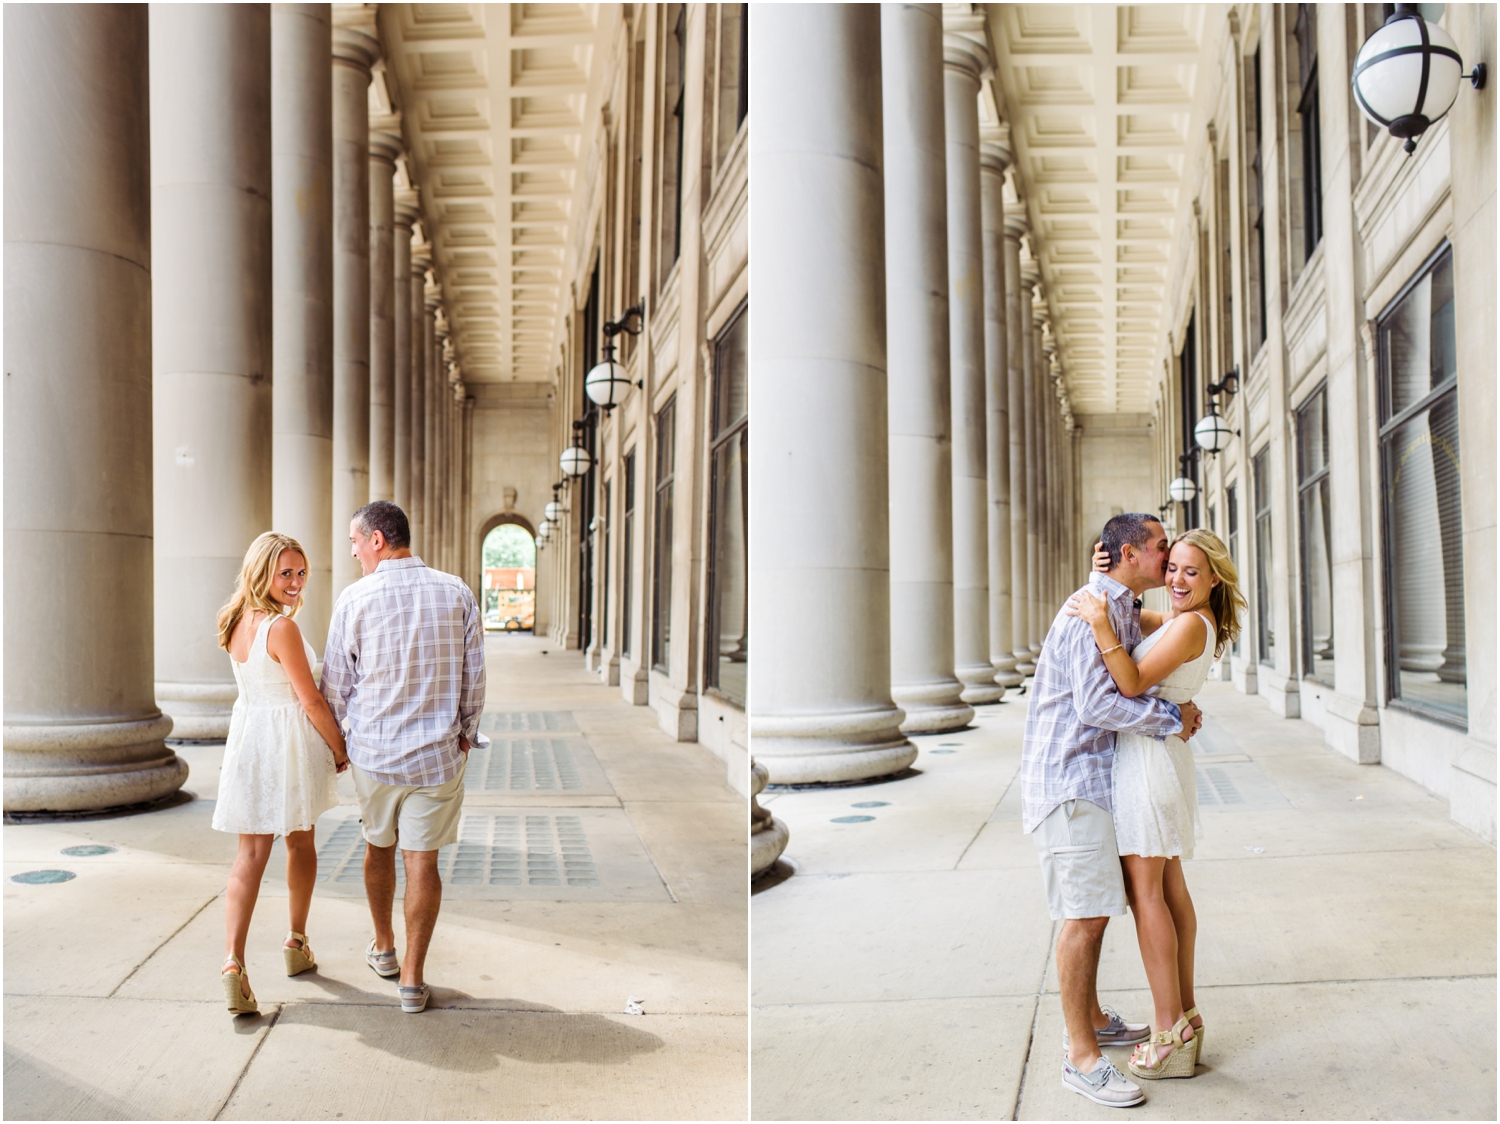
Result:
pixel 1134 528
pixel 388 519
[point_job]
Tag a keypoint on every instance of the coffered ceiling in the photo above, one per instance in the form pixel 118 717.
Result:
pixel 501 107
pixel 1104 106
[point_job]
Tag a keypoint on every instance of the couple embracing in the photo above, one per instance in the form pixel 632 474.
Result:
pixel 403 677
pixel 1109 791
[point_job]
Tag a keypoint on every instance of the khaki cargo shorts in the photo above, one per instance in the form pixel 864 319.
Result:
pixel 422 818
pixel 1080 862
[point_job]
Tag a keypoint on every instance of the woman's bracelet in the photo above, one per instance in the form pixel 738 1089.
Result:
pixel 1107 651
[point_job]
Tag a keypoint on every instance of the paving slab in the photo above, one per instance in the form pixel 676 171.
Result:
pixel 949 1059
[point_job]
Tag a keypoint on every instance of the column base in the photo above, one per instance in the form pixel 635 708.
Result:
pixel 979 683
pixel 199 711
pixel 829 748
pixel 676 709
pixel 89 766
pixel 1352 728
pixel 1005 672
pixel 1025 665
pixel 1280 691
pixel 932 708
pixel 768 835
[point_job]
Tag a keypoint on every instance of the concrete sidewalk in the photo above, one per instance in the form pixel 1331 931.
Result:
pixel 1346 952
pixel 597 861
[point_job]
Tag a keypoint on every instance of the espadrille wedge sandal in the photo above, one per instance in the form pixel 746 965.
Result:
pixel 1197 1042
pixel 235 995
pixel 1172 1057
pixel 298 959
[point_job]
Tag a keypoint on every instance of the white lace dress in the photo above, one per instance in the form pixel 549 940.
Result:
pixel 1155 782
pixel 278 773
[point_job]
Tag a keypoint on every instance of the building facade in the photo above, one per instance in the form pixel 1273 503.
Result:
pixel 1150 212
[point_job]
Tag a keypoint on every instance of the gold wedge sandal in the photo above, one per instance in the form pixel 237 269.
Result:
pixel 234 989
pixel 1179 1059
pixel 1197 1042
pixel 298 959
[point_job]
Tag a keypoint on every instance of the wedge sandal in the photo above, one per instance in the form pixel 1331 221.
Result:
pixel 1197 1042
pixel 298 960
pixel 234 991
pixel 1179 1060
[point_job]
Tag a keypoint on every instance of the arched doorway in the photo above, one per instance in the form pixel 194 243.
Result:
pixel 508 564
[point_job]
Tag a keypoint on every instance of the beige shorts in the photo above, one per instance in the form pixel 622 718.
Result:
pixel 422 818
pixel 1080 862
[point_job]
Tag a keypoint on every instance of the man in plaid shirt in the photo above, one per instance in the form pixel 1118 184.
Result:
pixel 404 674
pixel 1067 763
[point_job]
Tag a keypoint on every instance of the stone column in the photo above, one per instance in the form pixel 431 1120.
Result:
pixel 211 336
pixel 1018 353
pixel 921 460
pixel 421 258
pixel 406 213
pixel 994 158
pixel 302 299
pixel 468 550
pixel 82 729
pixel 1034 510
pixel 353 54
pixel 820 558
pixel 385 146
pixel 964 60
pixel 430 301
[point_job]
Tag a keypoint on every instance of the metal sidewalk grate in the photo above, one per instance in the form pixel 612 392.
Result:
pixel 526 765
pixel 1237 786
pixel 527 722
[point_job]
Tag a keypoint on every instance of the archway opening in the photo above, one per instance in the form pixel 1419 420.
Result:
pixel 509 579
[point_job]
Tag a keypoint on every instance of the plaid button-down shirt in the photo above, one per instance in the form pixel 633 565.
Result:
pixel 1069 749
pixel 405 665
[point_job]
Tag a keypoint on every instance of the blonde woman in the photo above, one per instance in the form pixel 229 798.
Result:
pixel 283 752
pixel 1155 791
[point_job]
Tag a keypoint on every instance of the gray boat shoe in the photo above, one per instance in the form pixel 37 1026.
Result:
pixel 413 999
pixel 1117 1033
pixel 1104 1085
pixel 384 963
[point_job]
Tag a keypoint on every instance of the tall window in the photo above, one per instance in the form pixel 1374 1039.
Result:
pixel 674 100
pixel 1420 478
pixel 1257 205
pixel 609 487
pixel 1313 520
pixel 1260 471
pixel 1312 137
pixel 589 354
pixel 627 557
pixel 728 586
pixel 1189 388
pixel 734 77
pixel 661 538
pixel 1232 525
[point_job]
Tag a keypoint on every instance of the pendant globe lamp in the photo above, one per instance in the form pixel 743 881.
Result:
pixel 576 460
pixel 1407 75
pixel 1212 433
pixel 607 383
pixel 552 513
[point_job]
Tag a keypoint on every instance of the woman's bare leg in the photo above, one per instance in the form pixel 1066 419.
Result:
pixel 1157 934
pixel 242 892
pixel 1185 920
pixel 301 875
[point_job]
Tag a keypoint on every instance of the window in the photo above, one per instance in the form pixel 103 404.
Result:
pixel 1257 209
pixel 1313 522
pixel 609 514
pixel 1312 138
pixel 1420 481
pixel 661 539
pixel 674 102
pixel 627 557
pixel 728 650
pixel 1260 472
pixel 734 76
pixel 1189 388
pixel 1232 521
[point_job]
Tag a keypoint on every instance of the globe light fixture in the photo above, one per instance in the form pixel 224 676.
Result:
pixel 552 513
pixel 607 384
pixel 1212 432
pixel 1182 490
pixel 1407 74
pixel 576 461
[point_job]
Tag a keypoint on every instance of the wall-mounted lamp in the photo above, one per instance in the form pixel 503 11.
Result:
pixel 576 460
pixel 607 384
pixel 1406 76
pixel 553 511
pixel 1184 489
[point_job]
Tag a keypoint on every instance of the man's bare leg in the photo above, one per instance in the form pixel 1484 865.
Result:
pixel 1078 948
pixel 424 896
pixel 380 891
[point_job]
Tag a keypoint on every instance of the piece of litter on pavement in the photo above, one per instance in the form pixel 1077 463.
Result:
pixel 635 1006
pixel 1359 798
pixel 1257 850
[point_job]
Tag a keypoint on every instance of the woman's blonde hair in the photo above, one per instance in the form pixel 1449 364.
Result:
pixel 1225 599
pixel 252 590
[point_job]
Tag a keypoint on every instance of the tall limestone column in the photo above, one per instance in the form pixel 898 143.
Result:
pixel 385 147
pixel 964 60
pixel 916 309
pixel 406 214
pixel 421 329
pixel 1018 358
pixel 1037 513
pixel 302 299
pixel 430 300
pixel 820 554
pixel 82 728
pixel 211 336
pixel 994 158
pixel 354 53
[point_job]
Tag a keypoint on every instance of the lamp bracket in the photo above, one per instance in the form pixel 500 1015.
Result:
pixel 613 328
pixel 1476 79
